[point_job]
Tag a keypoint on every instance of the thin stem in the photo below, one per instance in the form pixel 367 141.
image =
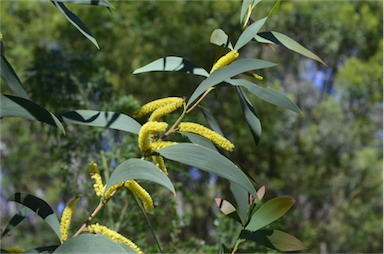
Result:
pixel 238 242
pixel 178 120
pixel 199 100
pixel 90 218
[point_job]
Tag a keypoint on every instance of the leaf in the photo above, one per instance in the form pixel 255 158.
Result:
pixel 197 139
pixel 233 69
pixel 87 2
pixel 246 10
pixel 75 21
pixel 90 243
pixel 40 207
pixel 284 40
pixel 274 239
pixel 269 212
pixel 10 77
pixel 12 106
pixel 249 33
pixel 104 119
pixel 228 209
pixel 213 123
pixel 220 38
pixel 16 219
pixel 267 94
pixel 241 196
pixel 207 160
pixel 173 63
pixel 250 115
pixel 223 249
pixel 45 249
pixel 139 169
pixel 261 192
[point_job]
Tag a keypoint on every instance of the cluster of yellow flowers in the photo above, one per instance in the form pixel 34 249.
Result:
pixel 66 218
pixel 225 60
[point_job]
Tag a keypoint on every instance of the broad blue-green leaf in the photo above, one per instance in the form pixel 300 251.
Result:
pixel 104 119
pixel 220 38
pixel 16 219
pixel 10 77
pixel 87 2
pixel 241 196
pixel 250 115
pixel 284 40
pixel 274 239
pixel 89 243
pixel 233 69
pixel 228 209
pixel 213 123
pixel 197 139
pixel 139 169
pixel 249 33
pixel 267 94
pixel 40 207
pixel 246 10
pixel 173 63
pixel 207 160
pixel 45 249
pixel 13 106
pixel 269 212
pixel 75 21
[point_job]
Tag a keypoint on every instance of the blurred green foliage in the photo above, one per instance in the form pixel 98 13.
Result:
pixel 329 158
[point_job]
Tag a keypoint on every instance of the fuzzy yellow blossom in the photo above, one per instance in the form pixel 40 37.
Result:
pixel 154 146
pixel 95 175
pixel 153 105
pixel 67 217
pixel 14 250
pixel 165 110
pixel 141 194
pixel 225 60
pixel 256 76
pixel 146 130
pixel 208 134
pixel 113 235
pixel 160 163
pixel 111 190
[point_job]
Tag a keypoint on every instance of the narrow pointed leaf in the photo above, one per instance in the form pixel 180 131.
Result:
pixel 75 21
pixel 284 40
pixel 104 119
pixel 249 33
pixel 45 249
pixel 267 94
pixel 269 212
pixel 87 2
pixel 139 169
pixel 220 38
pixel 224 249
pixel 213 123
pixel 241 196
pixel 247 7
pixel 209 161
pixel 173 63
pixel 13 106
pixel 228 209
pixel 275 8
pixel 16 219
pixel 40 207
pixel 250 115
pixel 91 243
pixel 10 77
pixel 274 239
pixel 197 139
pixel 220 75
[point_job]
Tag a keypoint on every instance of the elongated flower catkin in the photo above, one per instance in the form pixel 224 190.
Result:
pixel 111 190
pixel 160 163
pixel 165 110
pixel 14 250
pixel 113 235
pixel 95 175
pixel 141 194
pixel 208 134
pixel 147 129
pixel 154 146
pixel 67 217
pixel 153 105
pixel 225 60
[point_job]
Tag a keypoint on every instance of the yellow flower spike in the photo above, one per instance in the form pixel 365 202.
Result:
pixel 141 194
pixel 154 146
pixel 95 175
pixel 165 110
pixel 67 217
pixel 111 190
pixel 225 60
pixel 160 163
pixel 256 76
pixel 113 235
pixel 14 250
pixel 153 105
pixel 208 134
pixel 147 129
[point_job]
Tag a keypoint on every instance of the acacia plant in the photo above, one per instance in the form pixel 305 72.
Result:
pixel 208 149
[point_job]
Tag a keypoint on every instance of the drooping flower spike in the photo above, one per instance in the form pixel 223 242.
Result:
pixel 165 110
pixel 95 175
pixel 141 194
pixel 146 130
pixel 225 60
pixel 153 105
pixel 67 217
